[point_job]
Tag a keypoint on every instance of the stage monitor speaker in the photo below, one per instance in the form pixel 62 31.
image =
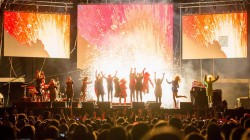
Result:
pixel 88 105
pixel 75 104
pixel 153 105
pixel 104 105
pixel 59 104
pixel 199 98
pixel 243 102
pixel 186 106
pixel 217 97
pixel 138 105
pixel 31 105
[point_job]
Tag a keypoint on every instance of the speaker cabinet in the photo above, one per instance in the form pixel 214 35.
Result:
pixel 88 105
pixel 31 105
pixel 104 105
pixel 59 104
pixel 153 105
pixel 198 97
pixel 217 97
pixel 186 105
pixel 138 105
pixel 75 104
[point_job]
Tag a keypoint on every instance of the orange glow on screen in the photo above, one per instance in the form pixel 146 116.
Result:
pixel 36 34
pixel 214 36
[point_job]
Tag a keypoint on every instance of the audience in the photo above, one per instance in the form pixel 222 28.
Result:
pixel 121 126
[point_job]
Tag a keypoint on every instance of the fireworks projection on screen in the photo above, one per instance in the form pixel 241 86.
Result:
pixel 118 37
pixel 211 36
pixel 36 34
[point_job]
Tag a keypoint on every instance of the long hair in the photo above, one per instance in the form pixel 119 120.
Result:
pixel 177 78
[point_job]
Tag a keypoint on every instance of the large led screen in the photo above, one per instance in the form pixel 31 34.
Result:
pixel 119 37
pixel 36 34
pixel 214 36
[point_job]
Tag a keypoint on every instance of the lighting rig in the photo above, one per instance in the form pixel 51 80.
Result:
pixel 214 4
pixel 38 6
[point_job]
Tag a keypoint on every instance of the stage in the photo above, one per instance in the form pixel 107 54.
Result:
pixel 37 108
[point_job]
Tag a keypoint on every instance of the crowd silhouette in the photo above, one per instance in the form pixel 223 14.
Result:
pixel 123 125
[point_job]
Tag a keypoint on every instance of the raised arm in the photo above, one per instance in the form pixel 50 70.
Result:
pixel 115 74
pixel 168 81
pixel 216 78
pixel 151 82
pixel 162 77
pixel 143 71
pixel 155 77
pixel 205 78
pixel 103 75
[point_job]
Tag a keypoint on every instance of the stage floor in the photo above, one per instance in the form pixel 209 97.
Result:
pixel 59 107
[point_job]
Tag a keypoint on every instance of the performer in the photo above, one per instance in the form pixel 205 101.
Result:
pixel 132 83
pixel 110 85
pixel 158 89
pixel 146 79
pixel 40 80
pixel 85 82
pixel 138 86
pixel 117 87
pixel 209 85
pixel 99 86
pixel 52 91
pixel 175 86
pixel 123 93
pixel 69 91
pixel 58 92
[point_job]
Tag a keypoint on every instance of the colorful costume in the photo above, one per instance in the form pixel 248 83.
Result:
pixel 146 79
pixel 209 85
pixel 123 93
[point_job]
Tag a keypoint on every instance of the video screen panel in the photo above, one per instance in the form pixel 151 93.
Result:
pixel 118 37
pixel 212 36
pixel 36 34
pixel 122 36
